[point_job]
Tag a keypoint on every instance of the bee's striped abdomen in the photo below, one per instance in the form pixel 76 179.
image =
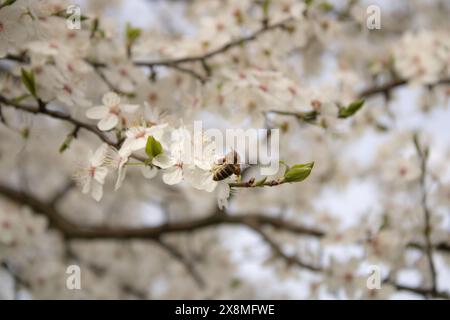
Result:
pixel 224 172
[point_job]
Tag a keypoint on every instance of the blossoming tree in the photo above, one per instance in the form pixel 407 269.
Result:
pixel 97 122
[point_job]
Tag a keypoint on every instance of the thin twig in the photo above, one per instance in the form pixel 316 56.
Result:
pixel 423 156
pixel 190 268
pixel 58 115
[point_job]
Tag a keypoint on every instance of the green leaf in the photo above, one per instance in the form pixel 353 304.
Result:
pixel 261 182
pixel 29 82
pixel 265 7
pixel 351 109
pixel 299 172
pixel 66 144
pixel 132 33
pixel 6 3
pixel 235 283
pixel 326 6
pixel 25 132
pixel 153 148
pixel 20 98
pixel 286 166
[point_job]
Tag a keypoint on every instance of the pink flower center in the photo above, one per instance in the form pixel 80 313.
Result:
pixel 348 277
pixel 68 89
pixel 292 90
pixel 153 97
pixel 403 171
pixel 6 224
pixel 92 171
pixel 140 134
pixel 220 26
pixel 316 104
pixel 115 110
pixel 263 88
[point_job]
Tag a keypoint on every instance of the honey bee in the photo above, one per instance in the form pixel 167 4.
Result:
pixel 227 166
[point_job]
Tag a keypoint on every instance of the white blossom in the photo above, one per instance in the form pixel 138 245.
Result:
pixel 111 113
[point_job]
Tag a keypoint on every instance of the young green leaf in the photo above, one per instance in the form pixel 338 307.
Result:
pixel 153 147
pixel 351 109
pixel 298 172
pixel 265 7
pixel 132 33
pixel 29 82
pixel 326 6
pixel 261 182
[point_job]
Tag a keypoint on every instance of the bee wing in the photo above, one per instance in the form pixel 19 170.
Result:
pixel 232 157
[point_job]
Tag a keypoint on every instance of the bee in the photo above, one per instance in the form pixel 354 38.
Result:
pixel 227 166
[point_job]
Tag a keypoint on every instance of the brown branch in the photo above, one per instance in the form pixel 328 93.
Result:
pixel 423 156
pixel 190 268
pixel 105 79
pixel 388 87
pixel 222 49
pixel 421 291
pixel 253 221
pixel 74 231
pixel 62 192
pixel 278 251
pixel 58 115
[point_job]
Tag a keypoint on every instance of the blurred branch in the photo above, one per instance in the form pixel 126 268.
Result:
pixel 388 87
pixel 421 291
pixel 423 156
pixel 175 253
pixel 278 251
pixel 19 281
pixel 71 230
pixel 222 49
pixel 57 115
pixel 203 59
pixel 62 192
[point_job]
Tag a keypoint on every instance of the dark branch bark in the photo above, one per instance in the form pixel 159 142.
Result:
pixel 226 47
pixel 423 156
pixel 254 221
pixel 58 115
pixel 388 87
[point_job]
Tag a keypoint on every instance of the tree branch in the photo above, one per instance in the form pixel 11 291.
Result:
pixel 388 87
pixel 222 49
pixel 58 115
pixel 423 156
pixel 71 230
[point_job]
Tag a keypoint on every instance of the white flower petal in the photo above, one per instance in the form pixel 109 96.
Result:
pixel 149 172
pixel 209 184
pixel 87 186
pixel 173 175
pixel 223 193
pixel 111 99
pixel 100 174
pixel 120 177
pixel 130 108
pixel 97 191
pixel 164 161
pixel 99 155
pixel 109 122
pixel 97 113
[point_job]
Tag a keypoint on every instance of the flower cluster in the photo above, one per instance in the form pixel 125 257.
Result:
pixel 423 56
pixel 175 159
